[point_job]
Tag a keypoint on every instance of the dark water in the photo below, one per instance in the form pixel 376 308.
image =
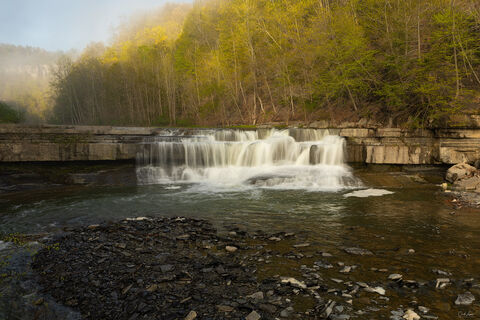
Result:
pixel 416 216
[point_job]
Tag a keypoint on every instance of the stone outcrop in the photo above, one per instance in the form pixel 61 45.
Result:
pixel 364 144
pixel 464 177
pixel 401 146
pixel 69 143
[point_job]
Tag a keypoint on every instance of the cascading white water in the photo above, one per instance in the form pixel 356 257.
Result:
pixel 287 159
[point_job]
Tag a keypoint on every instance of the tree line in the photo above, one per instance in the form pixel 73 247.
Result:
pixel 226 62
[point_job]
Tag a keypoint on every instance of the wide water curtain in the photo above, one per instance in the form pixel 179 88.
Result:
pixel 291 158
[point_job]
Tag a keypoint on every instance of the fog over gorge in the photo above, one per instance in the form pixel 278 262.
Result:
pixel 36 35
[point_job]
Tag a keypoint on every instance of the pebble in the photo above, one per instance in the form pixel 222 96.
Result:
pixel 268 308
pixel 442 283
pixel 411 315
pixel 465 299
pixel 358 251
pixel 323 264
pixel 346 269
pixel 423 309
pixel 301 245
pixel 223 308
pixel 286 312
pixel 328 309
pixel 152 288
pixel 378 290
pixel 191 315
pixel 294 283
pixel 256 296
pixel 253 316
pixel 231 249
pixel 395 276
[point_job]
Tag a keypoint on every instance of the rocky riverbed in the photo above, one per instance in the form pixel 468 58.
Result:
pixel 181 268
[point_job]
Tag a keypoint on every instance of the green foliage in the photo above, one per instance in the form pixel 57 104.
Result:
pixel 9 114
pixel 248 62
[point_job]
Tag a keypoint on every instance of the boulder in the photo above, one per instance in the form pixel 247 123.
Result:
pixel 467 184
pixel 460 171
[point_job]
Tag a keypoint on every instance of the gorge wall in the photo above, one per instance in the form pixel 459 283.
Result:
pixel 19 143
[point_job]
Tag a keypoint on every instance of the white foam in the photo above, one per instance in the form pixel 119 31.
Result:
pixel 172 187
pixel 368 193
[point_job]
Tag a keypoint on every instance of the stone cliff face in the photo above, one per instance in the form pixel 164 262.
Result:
pixel 364 145
pixel 400 146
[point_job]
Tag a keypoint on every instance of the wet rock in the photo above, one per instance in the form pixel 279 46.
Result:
pixel 166 268
pixel 346 269
pixel 423 309
pixel 256 296
pixel 442 283
pixel 294 283
pixel 358 251
pixel 253 316
pixel 268 308
pixel 395 277
pixel 378 290
pixel 411 315
pixel 301 245
pixel 323 264
pixel 152 288
pixel 396 314
pixel 223 308
pixel 287 312
pixel 465 299
pixel 231 249
pixel 328 309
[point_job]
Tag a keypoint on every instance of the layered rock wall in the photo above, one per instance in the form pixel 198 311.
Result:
pixel 364 145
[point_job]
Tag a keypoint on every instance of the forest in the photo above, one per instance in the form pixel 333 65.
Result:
pixel 247 62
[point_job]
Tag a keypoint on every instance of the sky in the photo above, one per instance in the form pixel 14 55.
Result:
pixel 65 24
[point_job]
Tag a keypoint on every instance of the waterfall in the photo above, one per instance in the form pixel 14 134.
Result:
pixel 270 158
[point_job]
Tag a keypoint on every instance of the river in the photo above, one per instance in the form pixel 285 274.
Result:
pixel 295 182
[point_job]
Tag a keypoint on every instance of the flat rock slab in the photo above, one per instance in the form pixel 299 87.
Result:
pixel 358 251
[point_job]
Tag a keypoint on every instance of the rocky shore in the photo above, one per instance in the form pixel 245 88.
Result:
pixel 463 181
pixel 181 268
